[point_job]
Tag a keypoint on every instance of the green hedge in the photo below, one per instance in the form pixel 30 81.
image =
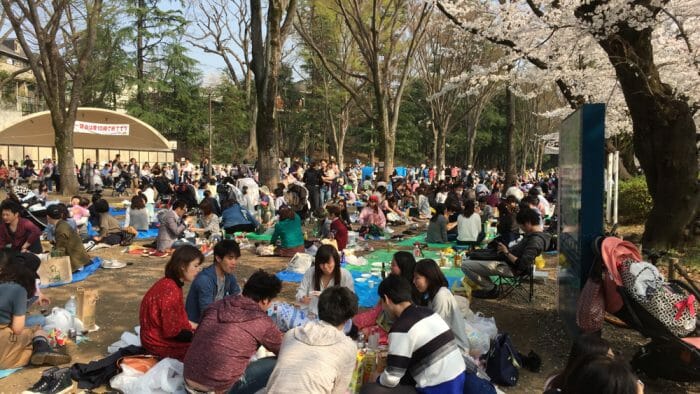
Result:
pixel 635 201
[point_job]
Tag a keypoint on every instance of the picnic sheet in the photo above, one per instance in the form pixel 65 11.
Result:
pixel 256 237
pixel 117 211
pixel 366 291
pixel 7 372
pixel 421 238
pixel 452 274
pixel 79 276
pixel 143 234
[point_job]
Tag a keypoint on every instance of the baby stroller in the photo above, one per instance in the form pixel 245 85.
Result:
pixel 121 186
pixel 667 355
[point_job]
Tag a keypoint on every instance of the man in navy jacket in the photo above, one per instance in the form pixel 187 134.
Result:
pixel 214 282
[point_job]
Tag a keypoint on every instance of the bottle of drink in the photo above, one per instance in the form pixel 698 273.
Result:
pixel 416 250
pixel 72 306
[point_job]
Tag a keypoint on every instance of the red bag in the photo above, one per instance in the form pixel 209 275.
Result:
pixel 590 311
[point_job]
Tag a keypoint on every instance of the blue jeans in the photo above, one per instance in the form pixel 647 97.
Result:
pixel 255 376
pixel 35 320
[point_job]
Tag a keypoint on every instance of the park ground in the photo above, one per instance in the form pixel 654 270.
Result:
pixel 533 326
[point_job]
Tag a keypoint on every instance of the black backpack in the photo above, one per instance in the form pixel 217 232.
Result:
pixel 503 361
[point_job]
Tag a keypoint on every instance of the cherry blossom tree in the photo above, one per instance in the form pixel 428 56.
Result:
pixel 640 57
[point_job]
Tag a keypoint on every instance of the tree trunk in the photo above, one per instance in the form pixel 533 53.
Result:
pixel 140 79
pixel 511 172
pixel 441 141
pixel 436 142
pixel 252 149
pixel 64 150
pixel 664 137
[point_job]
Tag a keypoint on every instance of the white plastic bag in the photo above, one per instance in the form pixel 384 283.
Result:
pixel 484 324
pixel 62 319
pixel 479 342
pixel 300 263
pixel 164 377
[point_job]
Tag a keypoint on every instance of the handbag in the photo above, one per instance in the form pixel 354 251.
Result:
pixel 590 311
pixel 503 361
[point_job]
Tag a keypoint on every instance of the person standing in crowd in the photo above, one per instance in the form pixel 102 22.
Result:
pixel 134 173
pixel 423 356
pixel 87 172
pixel 205 169
pixel 312 181
pixel 214 282
pixel 230 332
pixel 318 357
pixel 165 329
pixel 16 232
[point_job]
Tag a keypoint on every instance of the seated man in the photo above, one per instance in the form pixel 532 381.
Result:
pixel 16 232
pixel 214 282
pixel 423 355
pixel 172 226
pixel 230 332
pixel 318 357
pixel 516 260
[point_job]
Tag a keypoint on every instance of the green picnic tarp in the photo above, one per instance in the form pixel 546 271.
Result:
pixel 386 256
pixel 256 237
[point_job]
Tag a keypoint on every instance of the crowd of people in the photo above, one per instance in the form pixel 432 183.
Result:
pixel 217 327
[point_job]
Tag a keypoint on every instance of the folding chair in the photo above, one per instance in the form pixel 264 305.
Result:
pixel 509 284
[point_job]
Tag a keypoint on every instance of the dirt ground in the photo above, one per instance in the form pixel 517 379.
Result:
pixel 533 326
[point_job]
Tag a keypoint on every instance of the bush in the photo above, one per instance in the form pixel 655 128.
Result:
pixel 635 202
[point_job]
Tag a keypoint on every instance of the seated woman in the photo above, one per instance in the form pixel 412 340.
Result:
pixel 110 232
pixel 375 319
pixel 21 345
pixel 435 294
pixel 469 225
pixel 372 218
pixel 439 225
pixel 137 214
pixel 344 215
pixel 209 222
pixel 165 329
pixel 289 234
pixel 339 231
pixel 235 218
pixel 66 240
pixel 325 272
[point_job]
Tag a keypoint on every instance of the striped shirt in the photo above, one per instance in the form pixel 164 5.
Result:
pixel 422 344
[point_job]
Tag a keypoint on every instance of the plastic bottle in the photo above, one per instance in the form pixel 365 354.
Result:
pixel 72 306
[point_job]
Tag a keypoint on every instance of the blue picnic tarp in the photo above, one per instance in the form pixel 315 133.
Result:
pixel 79 276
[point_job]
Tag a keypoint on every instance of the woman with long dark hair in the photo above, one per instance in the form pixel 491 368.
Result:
pixel 435 294
pixel 585 345
pixel 165 329
pixel 325 272
pixel 375 320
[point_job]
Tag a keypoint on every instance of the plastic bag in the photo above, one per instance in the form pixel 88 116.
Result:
pixel 484 324
pixel 127 339
pixel 479 342
pixel 300 263
pixel 164 377
pixel 62 320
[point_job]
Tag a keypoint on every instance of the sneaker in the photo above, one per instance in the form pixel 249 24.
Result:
pixel 159 254
pixel 89 246
pixel 62 382
pixel 486 294
pixel 47 377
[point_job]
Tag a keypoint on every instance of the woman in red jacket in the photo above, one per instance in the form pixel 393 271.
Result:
pixel 165 329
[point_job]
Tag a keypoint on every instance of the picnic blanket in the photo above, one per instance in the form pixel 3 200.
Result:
pixel 452 274
pixel 7 372
pixel 117 211
pixel 421 238
pixel 143 234
pixel 256 237
pixel 79 276
pixel 366 293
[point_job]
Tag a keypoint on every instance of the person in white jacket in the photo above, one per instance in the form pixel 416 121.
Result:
pixel 318 358
pixel 326 272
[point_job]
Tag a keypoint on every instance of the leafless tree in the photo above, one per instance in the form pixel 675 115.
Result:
pixel 58 38
pixel 386 34
pixel 223 28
